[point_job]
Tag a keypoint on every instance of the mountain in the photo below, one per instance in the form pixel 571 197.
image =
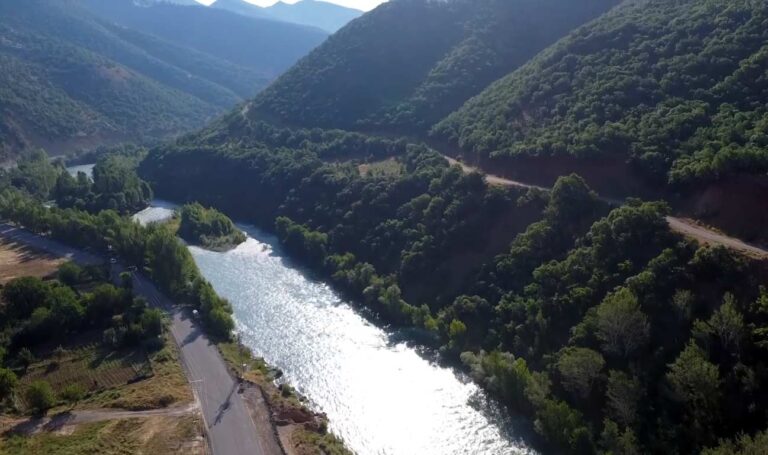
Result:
pixel 270 46
pixel 408 63
pixel 314 13
pixel 240 7
pixel 672 91
pixel 72 78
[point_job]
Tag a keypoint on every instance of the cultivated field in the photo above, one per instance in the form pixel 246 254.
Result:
pixel 91 367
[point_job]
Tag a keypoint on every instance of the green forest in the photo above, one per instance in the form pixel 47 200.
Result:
pixel 80 73
pixel 208 227
pixel 89 224
pixel 608 332
pixel 612 333
pixel 674 88
pixel 436 56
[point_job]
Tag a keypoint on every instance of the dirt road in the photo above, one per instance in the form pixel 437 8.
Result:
pixel 57 421
pixel 683 226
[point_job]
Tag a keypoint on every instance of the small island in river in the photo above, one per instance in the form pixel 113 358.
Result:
pixel 208 228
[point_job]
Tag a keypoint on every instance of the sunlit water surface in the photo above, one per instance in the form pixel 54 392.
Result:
pixel 380 395
pixel 85 168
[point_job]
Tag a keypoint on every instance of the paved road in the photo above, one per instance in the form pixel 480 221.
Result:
pixel 44 244
pixel 230 428
pixel 683 226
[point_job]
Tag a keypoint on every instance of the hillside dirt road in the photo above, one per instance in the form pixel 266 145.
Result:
pixel 684 226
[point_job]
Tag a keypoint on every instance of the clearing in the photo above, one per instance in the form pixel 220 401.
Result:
pixel 388 167
pixel 154 435
pixel 18 260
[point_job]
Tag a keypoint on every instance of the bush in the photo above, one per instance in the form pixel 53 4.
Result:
pixel 73 393
pixel 8 383
pixel 70 273
pixel 40 397
pixel 25 357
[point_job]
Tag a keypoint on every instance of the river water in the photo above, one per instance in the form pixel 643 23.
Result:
pixel 85 168
pixel 381 395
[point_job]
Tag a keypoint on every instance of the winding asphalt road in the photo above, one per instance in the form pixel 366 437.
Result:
pixel 682 226
pixel 229 425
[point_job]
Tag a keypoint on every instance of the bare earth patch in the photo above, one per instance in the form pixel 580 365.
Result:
pixel 17 260
pixel 155 435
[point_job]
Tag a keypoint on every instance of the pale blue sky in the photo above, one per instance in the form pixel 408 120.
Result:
pixel 365 5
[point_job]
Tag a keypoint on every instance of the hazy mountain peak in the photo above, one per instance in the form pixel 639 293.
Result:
pixel 323 15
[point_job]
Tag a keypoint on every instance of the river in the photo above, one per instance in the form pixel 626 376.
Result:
pixel 381 395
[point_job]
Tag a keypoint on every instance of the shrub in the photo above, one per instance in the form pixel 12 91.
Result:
pixel 40 397
pixel 73 393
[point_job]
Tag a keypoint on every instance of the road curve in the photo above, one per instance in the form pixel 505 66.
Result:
pixel 229 426
pixel 682 226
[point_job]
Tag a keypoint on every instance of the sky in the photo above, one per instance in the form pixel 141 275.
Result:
pixel 365 5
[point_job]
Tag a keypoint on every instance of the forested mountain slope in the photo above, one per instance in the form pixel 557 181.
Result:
pixel 408 63
pixel 74 79
pixel 676 90
pixel 610 332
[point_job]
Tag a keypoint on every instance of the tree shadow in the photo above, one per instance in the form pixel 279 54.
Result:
pixel 225 406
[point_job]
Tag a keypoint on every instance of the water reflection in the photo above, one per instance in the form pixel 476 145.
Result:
pixel 157 211
pixel 85 168
pixel 381 396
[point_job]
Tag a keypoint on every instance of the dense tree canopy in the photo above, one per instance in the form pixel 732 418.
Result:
pixel 677 89
pixel 82 73
pixel 409 63
pixel 584 316
pixel 208 227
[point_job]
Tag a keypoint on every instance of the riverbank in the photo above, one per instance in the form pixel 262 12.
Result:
pixel 381 394
pixel 219 409
pixel 298 429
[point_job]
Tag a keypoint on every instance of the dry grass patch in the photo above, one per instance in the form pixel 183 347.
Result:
pixel 148 436
pixel 18 260
pixel 388 167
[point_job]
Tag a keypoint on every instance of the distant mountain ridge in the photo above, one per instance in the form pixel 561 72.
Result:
pixel 408 63
pixel 315 13
pixel 75 76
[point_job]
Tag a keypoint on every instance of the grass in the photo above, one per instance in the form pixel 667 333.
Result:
pixel 132 380
pixel 237 356
pixel 151 436
pixel 388 167
pixel 165 387
pixel 18 260
pixel 313 443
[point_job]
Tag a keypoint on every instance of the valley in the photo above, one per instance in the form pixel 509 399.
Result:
pixel 461 226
